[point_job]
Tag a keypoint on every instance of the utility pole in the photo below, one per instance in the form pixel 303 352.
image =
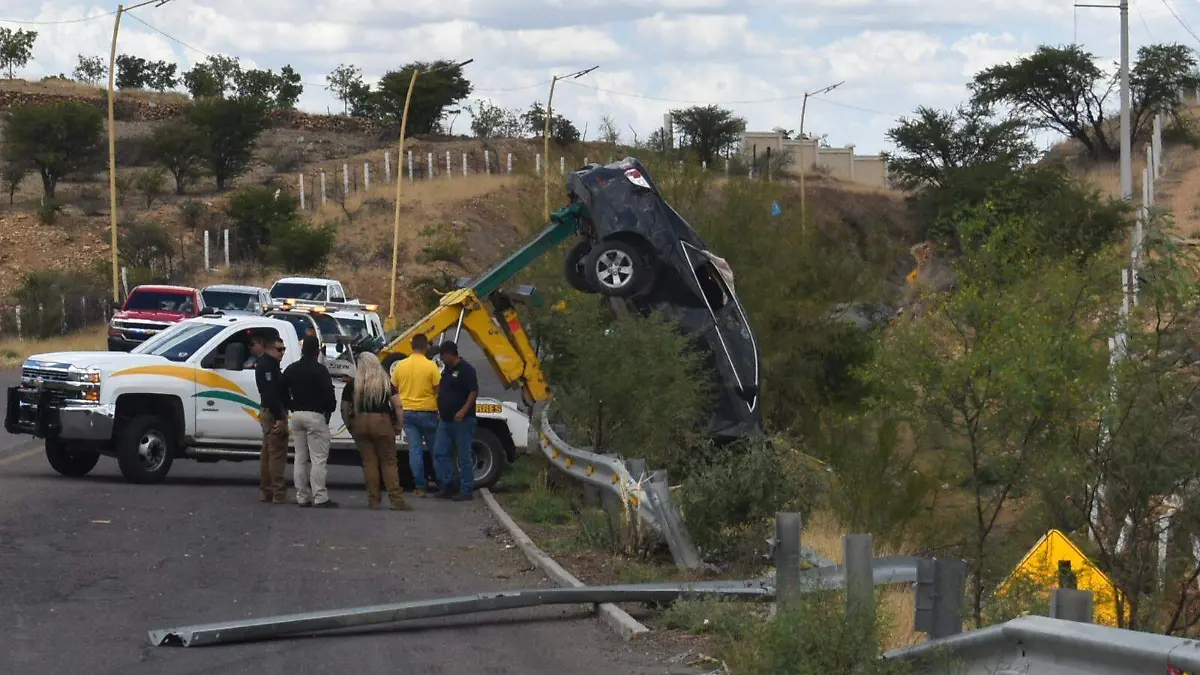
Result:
pixel 803 169
pixel 1126 131
pixel 546 136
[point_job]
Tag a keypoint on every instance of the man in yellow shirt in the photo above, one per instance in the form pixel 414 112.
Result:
pixel 416 379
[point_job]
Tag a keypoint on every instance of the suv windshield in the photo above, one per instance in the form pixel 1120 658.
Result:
pixel 179 342
pixel 160 301
pixel 230 300
pixel 299 291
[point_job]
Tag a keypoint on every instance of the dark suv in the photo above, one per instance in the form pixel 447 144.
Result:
pixel 637 249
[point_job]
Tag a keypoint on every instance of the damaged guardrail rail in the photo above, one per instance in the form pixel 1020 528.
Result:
pixel 885 571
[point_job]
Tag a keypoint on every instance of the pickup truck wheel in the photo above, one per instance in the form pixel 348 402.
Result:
pixel 69 462
pixel 616 268
pixel 489 458
pixel 146 449
pixel 573 267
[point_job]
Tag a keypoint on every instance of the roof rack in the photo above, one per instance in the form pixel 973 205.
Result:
pixel 319 305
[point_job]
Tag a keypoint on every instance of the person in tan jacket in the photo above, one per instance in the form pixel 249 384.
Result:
pixel 374 420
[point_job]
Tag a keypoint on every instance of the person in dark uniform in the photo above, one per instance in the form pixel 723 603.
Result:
pixel 272 462
pixel 457 391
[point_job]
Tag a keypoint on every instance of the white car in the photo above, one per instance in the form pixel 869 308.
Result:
pixel 308 288
pixel 190 393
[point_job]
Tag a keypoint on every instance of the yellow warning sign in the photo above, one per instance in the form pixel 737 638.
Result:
pixel 1041 567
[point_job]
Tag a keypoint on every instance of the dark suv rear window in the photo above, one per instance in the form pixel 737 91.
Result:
pixel 160 301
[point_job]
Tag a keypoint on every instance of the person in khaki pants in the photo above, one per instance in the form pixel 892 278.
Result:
pixel 310 391
pixel 272 463
pixel 374 419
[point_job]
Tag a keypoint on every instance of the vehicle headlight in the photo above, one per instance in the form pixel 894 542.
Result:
pixel 87 375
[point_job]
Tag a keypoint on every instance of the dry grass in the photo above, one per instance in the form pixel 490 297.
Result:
pixel 824 534
pixel 60 87
pixel 13 352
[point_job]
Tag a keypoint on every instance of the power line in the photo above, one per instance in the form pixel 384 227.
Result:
pixel 1141 16
pixel 854 107
pixel 56 23
pixel 1180 20
pixel 672 100
pixel 528 86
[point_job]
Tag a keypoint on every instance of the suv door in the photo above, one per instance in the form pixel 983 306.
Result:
pixel 227 400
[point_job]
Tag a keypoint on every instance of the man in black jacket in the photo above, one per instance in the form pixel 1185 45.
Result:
pixel 272 462
pixel 309 390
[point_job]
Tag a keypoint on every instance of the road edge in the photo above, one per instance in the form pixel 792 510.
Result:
pixel 618 619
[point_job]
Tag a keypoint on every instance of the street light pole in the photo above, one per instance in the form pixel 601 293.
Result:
pixel 803 169
pixel 546 137
pixel 112 140
pixel 412 83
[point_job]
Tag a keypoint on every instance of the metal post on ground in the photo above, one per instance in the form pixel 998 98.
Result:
pixel 858 551
pixel 788 528
pixel 1070 604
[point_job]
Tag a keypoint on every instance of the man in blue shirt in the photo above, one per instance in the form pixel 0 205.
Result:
pixel 456 396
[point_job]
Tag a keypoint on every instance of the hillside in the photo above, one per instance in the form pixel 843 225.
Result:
pixel 452 225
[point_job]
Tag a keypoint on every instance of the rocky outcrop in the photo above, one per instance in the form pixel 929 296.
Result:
pixel 130 109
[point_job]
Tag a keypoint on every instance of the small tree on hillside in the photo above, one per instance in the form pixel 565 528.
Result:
pixel 90 69
pixel 609 132
pixel 440 86
pixel 708 130
pixel 257 216
pixel 489 120
pixel 562 130
pixel 230 129
pixel 57 139
pixel 345 81
pixel 256 85
pixel 214 78
pixel 179 146
pixel 16 48
pixel 288 88
pixel 1157 81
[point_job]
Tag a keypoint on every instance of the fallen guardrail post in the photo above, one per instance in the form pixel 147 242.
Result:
pixel 683 551
pixel 858 552
pixel 788 531
pixel 940 592
pixel 1070 604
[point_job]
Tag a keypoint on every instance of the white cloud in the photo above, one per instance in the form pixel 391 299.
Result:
pixel 755 56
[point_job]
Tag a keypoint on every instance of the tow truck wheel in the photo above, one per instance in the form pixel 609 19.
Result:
pixel 489 458
pixel 146 449
pixel 573 267
pixel 68 463
pixel 616 268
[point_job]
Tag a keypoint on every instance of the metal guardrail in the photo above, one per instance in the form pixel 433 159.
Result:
pixel 1038 644
pixel 607 472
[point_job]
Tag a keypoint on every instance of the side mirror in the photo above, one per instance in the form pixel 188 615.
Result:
pixel 235 356
pixel 337 299
pixel 341 348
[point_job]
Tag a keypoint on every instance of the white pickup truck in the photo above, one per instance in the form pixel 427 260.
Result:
pixel 189 392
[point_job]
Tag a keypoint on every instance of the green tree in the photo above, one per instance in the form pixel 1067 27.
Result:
pixel 562 130
pixel 1156 82
pixel 609 132
pixel 180 146
pixel 344 82
pixel 216 77
pixel 489 120
pixel 302 247
pixel 708 130
pixel 288 88
pixel 16 48
pixel 257 85
pixel 162 76
pixel 57 139
pixel 151 183
pixel 230 129
pixel 257 216
pixel 440 86
pixel 133 72
pixel 90 69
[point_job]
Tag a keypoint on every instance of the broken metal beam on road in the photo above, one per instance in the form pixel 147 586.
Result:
pixel 294 624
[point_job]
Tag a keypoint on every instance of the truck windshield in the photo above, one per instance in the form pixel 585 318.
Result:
pixel 230 300
pixel 354 327
pixel 299 291
pixel 329 325
pixel 160 301
pixel 179 342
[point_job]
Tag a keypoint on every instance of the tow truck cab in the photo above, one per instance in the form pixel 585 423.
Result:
pixel 190 393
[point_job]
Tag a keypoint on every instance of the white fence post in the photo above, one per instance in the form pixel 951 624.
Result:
pixel 366 175
pixel 345 180
pixel 227 247
pixel 62 301
pixel 562 166
pixel 510 163
pixel 429 164
pixel 537 163
pixel 1150 160
pixel 324 192
pixel 410 165
pixel 449 170
pixel 1156 143
pixel 83 309
pixel 300 178
pixel 19 335
pixel 125 278
pixel 387 166
pixel 206 265
pixel 585 161
pixel 464 158
pixel 487 162
pixel 704 166
pixel 726 166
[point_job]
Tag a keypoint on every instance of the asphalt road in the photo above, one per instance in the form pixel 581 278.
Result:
pixel 88 566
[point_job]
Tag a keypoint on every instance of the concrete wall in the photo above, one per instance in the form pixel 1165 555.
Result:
pixel 840 163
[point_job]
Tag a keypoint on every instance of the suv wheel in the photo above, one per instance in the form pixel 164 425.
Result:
pixel 146 449
pixel 69 461
pixel 573 267
pixel 616 268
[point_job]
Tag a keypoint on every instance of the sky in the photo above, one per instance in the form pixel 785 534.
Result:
pixel 756 57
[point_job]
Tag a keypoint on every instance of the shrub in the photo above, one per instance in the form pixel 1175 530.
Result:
pixel 49 210
pixel 303 247
pixel 52 289
pixel 285 159
pixel 446 244
pixel 256 213
pixel 92 201
pixel 147 245
pixel 151 183
pixel 195 214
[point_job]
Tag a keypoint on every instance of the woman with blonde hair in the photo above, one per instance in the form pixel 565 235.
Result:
pixel 371 414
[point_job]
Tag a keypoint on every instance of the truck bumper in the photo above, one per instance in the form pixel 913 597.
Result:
pixel 120 344
pixel 32 412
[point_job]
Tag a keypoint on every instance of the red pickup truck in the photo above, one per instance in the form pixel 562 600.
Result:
pixel 148 310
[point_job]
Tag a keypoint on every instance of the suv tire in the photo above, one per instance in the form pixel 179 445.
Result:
pixel 616 268
pixel 68 463
pixel 146 449
pixel 573 267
